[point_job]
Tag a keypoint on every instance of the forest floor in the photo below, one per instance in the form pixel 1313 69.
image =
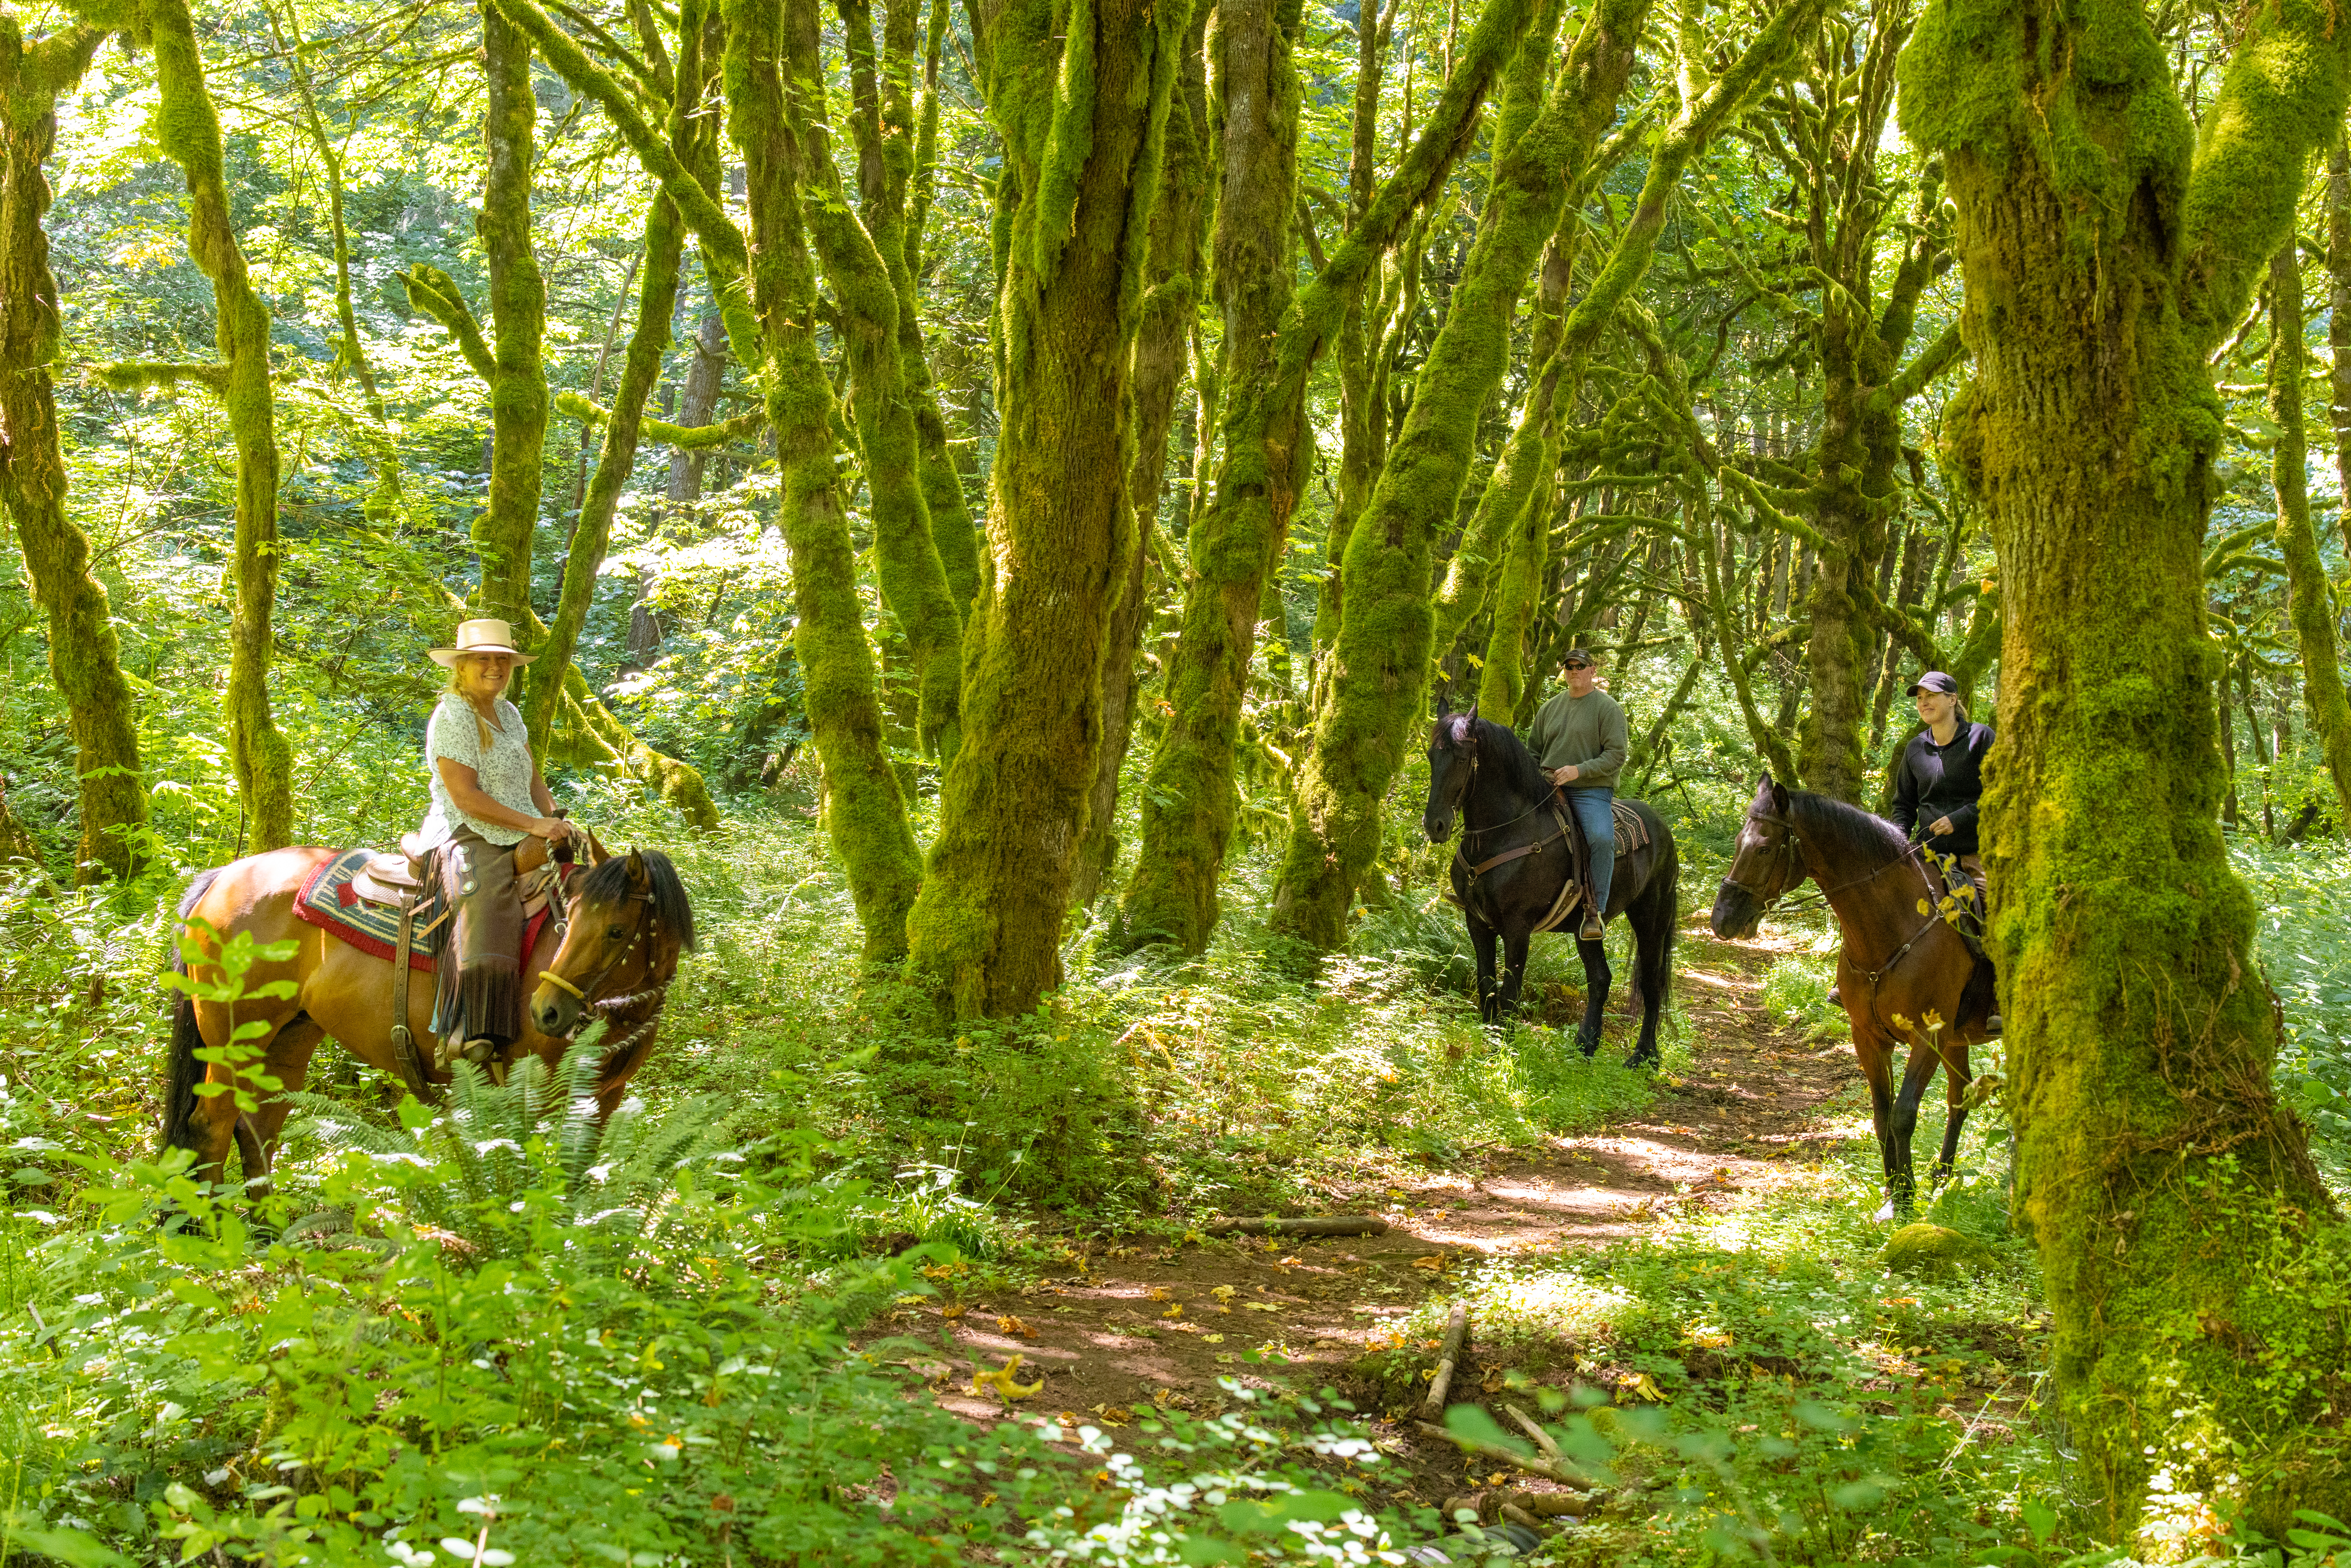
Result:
pixel 1131 1323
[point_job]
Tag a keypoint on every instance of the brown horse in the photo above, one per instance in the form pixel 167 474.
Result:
pixel 1907 976
pixel 626 922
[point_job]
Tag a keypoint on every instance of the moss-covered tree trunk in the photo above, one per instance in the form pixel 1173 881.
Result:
pixel 504 531
pixel 866 263
pixel 865 813
pixel 2338 324
pixel 1169 309
pixel 1079 94
pixel 1271 343
pixel 2311 600
pixel 2185 1238
pixel 188 131
pixel 84 654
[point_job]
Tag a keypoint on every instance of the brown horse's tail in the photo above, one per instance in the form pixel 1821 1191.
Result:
pixel 181 1071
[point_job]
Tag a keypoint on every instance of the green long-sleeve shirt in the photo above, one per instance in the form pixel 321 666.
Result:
pixel 1587 731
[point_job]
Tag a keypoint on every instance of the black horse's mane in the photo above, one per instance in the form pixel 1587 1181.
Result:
pixel 1835 828
pixel 609 884
pixel 1500 747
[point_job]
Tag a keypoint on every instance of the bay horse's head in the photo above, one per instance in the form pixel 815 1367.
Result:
pixel 626 925
pixel 1452 763
pixel 1768 864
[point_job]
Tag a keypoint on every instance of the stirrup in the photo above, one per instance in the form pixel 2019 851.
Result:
pixel 1593 928
pixel 1991 1027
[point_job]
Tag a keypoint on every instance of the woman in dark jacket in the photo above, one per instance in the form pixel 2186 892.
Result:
pixel 1941 776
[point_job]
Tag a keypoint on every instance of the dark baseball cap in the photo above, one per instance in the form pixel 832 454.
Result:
pixel 1576 656
pixel 1935 681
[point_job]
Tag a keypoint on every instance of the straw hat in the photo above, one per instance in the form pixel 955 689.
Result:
pixel 488 636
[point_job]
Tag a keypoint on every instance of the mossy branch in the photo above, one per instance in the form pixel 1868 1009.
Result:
pixel 689 437
pixel 161 375
pixel 1937 357
pixel 435 293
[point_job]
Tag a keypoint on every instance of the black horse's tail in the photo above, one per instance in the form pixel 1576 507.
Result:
pixel 1656 919
pixel 181 1071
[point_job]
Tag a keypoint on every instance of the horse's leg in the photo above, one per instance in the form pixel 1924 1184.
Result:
pixel 1514 973
pixel 1597 978
pixel 288 1061
pixel 1956 1079
pixel 1481 938
pixel 1876 1055
pixel 1917 1071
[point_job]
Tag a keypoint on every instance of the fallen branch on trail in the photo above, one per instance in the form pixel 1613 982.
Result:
pixel 1338 1225
pixel 1566 1472
pixel 1448 1355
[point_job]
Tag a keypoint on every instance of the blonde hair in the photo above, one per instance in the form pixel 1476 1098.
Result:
pixel 457 685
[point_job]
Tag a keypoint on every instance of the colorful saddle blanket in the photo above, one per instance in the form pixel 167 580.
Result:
pixel 329 902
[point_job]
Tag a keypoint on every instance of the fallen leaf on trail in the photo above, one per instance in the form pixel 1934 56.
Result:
pixel 1175 1310
pixel 1212 1339
pixel 1012 1325
pixel 908 1301
pixel 1494 1383
pixel 1004 1383
pixel 1435 1261
pixel 1222 1292
pixel 1263 1306
pixel 953 1313
pixel 1641 1384
pixel 1159 1293
pixel 1113 1415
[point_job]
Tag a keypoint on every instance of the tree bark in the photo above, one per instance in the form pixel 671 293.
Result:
pixel 2310 598
pixel 1160 344
pixel 1080 97
pixel 2338 325
pixel 188 132
pixel 503 532
pixel 85 656
pixel 2181 1227
pixel 865 263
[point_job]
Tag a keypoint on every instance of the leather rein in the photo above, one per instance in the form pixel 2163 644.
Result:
pixel 1790 856
pixel 1557 830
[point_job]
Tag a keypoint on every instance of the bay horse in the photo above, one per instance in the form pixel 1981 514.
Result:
pixel 1905 973
pixel 626 922
pixel 1481 771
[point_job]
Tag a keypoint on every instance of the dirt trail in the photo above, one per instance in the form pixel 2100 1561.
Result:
pixel 1156 1323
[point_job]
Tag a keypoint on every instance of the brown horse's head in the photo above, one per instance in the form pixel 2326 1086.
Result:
pixel 626 925
pixel 1768 864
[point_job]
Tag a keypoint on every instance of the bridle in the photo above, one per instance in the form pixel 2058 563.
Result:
pixel 648 924
pixel 1787 861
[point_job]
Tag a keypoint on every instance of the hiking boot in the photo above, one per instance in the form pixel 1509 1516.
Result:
pixel 1592 929
pixel 1992 1026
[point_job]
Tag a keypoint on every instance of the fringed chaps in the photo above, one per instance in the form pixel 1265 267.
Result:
pixel 479 994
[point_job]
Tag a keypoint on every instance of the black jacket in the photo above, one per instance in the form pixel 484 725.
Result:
pixel 1937 781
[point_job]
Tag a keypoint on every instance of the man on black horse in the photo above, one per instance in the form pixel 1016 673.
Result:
pixel 1580 738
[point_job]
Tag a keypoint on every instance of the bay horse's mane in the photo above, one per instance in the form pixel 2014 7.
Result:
pixel 1498 747
pixel 609 884
pixel 1837 830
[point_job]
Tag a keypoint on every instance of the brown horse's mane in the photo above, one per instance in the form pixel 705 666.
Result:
pixel 1839 832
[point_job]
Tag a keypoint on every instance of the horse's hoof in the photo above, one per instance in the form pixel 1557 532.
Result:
pixel 1642 1061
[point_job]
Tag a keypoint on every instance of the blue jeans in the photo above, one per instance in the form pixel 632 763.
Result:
pixel 1592 813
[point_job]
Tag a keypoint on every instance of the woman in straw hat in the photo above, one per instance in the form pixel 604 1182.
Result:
pixel 487 797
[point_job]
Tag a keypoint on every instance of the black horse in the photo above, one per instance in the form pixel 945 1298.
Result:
pixel 1483 773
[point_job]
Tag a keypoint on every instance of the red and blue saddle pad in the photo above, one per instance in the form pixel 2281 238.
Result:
pixel 329 902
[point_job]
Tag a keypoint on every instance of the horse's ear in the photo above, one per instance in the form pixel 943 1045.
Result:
pixel 597 853
pixel 1779 794
pixel 636 869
